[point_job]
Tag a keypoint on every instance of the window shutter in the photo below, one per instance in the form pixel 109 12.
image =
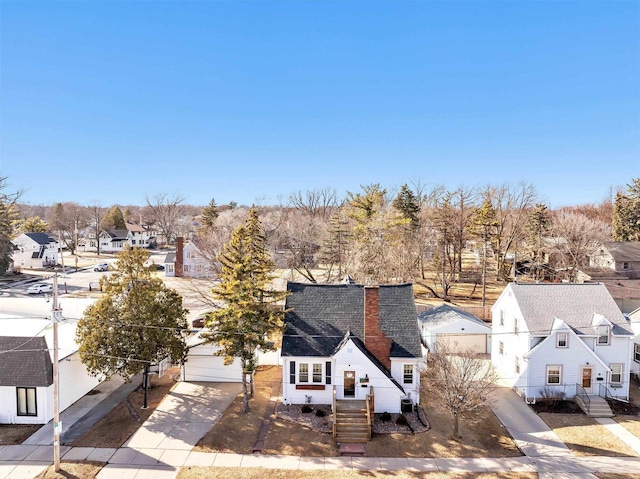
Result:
pixel 292 372
pixel 327 372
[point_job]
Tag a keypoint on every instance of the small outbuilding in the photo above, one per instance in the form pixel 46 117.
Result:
pixel 202 363
pixel 461 330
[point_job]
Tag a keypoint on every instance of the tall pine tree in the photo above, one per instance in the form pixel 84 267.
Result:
pixel 626 213
pixel 249 315
pixel 209 214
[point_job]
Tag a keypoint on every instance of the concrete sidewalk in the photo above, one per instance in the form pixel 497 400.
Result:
pixel 29 461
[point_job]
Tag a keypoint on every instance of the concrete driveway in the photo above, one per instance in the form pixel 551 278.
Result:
pixel 184 416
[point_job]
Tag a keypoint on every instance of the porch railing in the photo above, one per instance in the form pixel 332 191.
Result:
pixel 604 392
pixel 333 408
pixel 584 397
pixel 370 398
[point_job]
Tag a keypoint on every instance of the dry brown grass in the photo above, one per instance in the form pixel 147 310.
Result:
pixel 584 436
pixel 71 470
pixel 118 426
pixel 630 423
pixel 16 433
pixel 237 431
pixel 613 475
pixel 260 473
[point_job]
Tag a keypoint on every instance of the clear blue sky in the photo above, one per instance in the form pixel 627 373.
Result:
pixel 249 101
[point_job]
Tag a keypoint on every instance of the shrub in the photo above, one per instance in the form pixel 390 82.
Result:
pixel 551 396
pixel 320 413
pixel 306 409
pixel 385 416
pixel 402 420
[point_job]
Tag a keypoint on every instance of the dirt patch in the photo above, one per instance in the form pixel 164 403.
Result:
pixel 560 407
pixel 584 436
pixel 69 470
pixel 237 431
pixel 16 433
pixel 625 408
pixel 260 473
pixel 115 428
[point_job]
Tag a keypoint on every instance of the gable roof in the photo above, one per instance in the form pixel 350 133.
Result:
pixel 25 362
pixel 574 303
pixel 446 314
pixel 41 238
pixel 117 234
pixel 623 251
pixel 320 315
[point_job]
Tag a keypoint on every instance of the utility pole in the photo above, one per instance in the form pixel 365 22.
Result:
pixel 56 317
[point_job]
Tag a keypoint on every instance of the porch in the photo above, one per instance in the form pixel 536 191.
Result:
pixel 352 419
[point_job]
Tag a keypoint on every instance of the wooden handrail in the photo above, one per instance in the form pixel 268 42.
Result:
pixel 370 399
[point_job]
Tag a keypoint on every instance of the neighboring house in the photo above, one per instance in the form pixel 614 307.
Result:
pixel 26 372
pixel 566 338
pixel 141 236
pixel 634 325
pixel 621 257
pixel 357 340
pixel 35 250
pixel 461 331
pixel 187 261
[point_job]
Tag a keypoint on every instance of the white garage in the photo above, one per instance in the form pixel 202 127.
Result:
pixel 461 330
pixel 202 364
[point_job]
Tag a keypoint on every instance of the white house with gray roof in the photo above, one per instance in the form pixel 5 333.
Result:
pixel 34 250
pixel 567 338
pixel 462 331
pixel 353 339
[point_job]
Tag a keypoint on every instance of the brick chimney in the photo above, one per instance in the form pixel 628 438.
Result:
pixel 179 259
pixel 374 339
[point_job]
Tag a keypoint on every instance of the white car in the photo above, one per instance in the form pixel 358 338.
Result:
pixel 40 288
pixel 102 267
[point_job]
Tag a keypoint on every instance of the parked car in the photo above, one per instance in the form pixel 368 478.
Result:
pixel 102 267
pixel 40 288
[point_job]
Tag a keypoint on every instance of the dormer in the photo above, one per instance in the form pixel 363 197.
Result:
pixel 560 331
pixel 602 328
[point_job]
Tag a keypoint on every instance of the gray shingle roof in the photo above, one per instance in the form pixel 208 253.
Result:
pixel 575 304
pixel 321 316
pixel 624 251
pixel 41 238
pixel 445 314
pixel 27 364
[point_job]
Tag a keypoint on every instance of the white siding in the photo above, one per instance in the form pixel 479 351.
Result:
pixel 9 407
pixel 291 395
pixel 203 365
pixel 75 381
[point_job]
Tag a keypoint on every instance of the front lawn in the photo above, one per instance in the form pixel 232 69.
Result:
pixel 11 434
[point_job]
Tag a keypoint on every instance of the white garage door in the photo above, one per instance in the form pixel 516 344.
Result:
pixel 211 368
pixel 476 343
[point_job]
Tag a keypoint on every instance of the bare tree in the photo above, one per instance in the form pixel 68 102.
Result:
pixel 96 213
pixel 166 212
pixel 512 205
pixel 573 238
pixel 461 382
pixel 319 202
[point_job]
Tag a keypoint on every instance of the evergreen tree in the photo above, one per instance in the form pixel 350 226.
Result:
pixel 114 219
pixel 626 213
pixel 33 224
pixel 537 227
pixel 484 226
pixel 137 322
pixel 209 214
pixel 335 247
pixel 248 316
pixel 407 204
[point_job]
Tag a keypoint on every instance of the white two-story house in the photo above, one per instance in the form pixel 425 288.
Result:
pixel 564 338
pixel 35 250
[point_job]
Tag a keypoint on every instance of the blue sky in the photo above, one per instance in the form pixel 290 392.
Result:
pixel 248 101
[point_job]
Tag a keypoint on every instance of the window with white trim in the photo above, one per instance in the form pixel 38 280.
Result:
pixel 407 374
pixel 604 335
pixel 636 352
pixel 501 318
pixel 616 373
pixel 515 326
pixel 501 347
pixel 190 254
pixel 303 373
pixel 562 340
pixel 554 374
pixel 517 365
pixel 27 404
pixel 317 372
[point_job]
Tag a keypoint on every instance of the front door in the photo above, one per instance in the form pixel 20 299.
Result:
pixel 349 384
pixel 587 372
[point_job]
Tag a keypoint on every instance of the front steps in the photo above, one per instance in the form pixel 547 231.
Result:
pixel 598 407
pixel 351 424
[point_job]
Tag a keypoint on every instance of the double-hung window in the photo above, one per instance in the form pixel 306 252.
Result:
pixel 303 374
pixel 636 352
pixel 407 376
pixel 603 335
pixel 317 372
pixel 554 374
pixel 27 404
pixel 562 340
pixel 616 373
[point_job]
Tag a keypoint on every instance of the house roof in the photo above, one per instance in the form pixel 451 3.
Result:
pixel 117 234
pixel 25 362
pixel 170 258
pixel 41 238
pixel 575 304
pixel 319 317
pixel 624 251
pixel 446 314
